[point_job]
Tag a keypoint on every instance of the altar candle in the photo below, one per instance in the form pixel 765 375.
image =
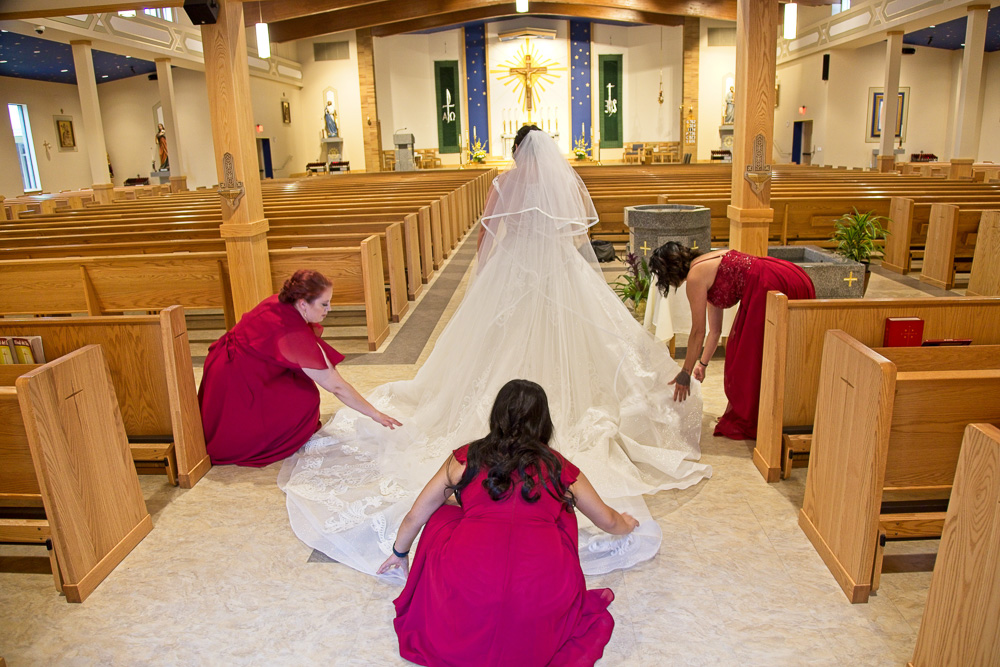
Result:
pixel 475 137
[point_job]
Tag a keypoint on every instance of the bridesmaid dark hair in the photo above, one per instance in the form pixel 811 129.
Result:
pixel 520 429
pixel 521 134
pixel 304 284
pixel 670 264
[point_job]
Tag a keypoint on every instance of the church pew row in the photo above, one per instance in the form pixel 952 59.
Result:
pixel 951 242
pixel 402 284
pixel 961 621
pixel 63 448
pixel 791 363
pixel 984 279
pixel 101 285
pixel 149 361
pixel 883 428
pixel 909 222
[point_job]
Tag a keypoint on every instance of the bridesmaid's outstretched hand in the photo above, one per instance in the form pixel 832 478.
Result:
pixel 392 562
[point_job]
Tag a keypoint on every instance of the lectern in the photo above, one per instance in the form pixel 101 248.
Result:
pixel 404 151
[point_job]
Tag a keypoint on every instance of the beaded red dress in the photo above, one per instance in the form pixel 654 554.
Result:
pixel 499 583
pixel 746 279
pixel 257 404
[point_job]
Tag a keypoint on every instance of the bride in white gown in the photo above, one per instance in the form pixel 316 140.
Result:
pixel 538 308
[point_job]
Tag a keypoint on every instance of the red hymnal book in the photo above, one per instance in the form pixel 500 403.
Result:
pixel 903 332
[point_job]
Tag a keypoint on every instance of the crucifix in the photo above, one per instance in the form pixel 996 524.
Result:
pixel 528 73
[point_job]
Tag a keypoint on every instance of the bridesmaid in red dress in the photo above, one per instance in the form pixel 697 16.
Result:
pixel 718 280
pixel 496 579
pixel 258 395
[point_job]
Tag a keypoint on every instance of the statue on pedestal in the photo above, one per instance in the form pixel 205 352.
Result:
pixel 729 115
pixel 330 117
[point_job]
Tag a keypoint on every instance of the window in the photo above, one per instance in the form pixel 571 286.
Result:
pixel 167 14
pixel 25 152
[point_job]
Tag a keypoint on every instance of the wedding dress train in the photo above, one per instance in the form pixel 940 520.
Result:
pixel 539 309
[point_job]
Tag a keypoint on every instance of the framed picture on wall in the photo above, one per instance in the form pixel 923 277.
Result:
pixel 64 132
pixel 286 112
pixel 876 97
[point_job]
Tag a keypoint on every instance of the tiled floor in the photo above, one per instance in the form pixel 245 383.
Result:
pixel 222 580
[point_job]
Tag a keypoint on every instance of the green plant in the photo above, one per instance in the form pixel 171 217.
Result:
pixel 860 236
pixel 633 285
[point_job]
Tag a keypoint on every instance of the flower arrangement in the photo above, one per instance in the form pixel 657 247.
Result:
pixel 633 285
pixel 580 149
pixel 477 153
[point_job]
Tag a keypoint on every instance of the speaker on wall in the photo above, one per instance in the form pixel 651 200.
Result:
pixel 826 66
pixel 202 12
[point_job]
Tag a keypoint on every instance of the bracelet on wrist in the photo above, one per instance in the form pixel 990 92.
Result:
pixel 703 363
pixel 399 554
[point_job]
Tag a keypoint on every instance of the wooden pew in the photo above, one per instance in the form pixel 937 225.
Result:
pixel 102 285
pixel 984 280
pixel 961 622
pixel 909 226
pixel 791 364
pixel 63 448
pixel 951 238
pixel 149 359
pixel 885 427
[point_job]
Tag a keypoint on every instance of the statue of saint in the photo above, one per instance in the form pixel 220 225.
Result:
pixel 161 144
pixel 728 118
pixel 330 116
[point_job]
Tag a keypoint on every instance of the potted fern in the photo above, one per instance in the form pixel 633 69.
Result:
pixel 860 237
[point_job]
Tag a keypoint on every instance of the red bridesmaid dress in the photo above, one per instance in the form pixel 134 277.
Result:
pixel 499 583
pixel 257 405
pixel 747 279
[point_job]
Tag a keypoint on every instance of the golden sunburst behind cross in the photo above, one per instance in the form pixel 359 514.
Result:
pixel 528 72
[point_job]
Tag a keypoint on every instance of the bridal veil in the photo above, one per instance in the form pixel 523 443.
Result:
pixel 537 308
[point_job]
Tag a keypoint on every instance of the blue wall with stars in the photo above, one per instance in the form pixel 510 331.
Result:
pixel 475 79
pixel 579 83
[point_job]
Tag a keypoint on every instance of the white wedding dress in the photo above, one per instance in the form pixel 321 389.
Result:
pixel 538 308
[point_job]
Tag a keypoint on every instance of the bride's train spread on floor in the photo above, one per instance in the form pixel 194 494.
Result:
pixel 537 310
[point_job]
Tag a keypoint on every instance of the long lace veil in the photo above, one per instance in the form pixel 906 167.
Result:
pixel 537 309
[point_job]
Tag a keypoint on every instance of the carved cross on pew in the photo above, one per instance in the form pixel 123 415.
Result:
pixel 528 73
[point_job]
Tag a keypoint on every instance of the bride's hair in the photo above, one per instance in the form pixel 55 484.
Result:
pixel 670 264
pixel 520 429
pixel 521 134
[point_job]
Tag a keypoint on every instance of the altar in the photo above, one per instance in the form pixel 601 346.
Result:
pixel 507 140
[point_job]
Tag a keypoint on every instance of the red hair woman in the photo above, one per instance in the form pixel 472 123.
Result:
pixel 259 401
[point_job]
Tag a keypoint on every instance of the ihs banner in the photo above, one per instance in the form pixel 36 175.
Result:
pixel 446 80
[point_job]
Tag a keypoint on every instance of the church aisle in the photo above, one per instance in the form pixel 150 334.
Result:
pixel 223 580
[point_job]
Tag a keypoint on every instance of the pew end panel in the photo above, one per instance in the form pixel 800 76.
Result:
pixel 985 277
pixel 185 411
pixel 93 502
pixel 844 532
pixel 896 256
pixel 961 621
pixel 788 397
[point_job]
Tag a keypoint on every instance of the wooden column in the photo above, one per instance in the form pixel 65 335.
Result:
pixel 93 126
pixel 165 82
pixel 749 211
pixel 890 101
pixel 969 119
pixel 244 227
pixel 3 209
pixel 689 109
pixel 369 110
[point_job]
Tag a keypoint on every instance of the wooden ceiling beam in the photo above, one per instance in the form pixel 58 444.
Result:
pixel 537 8
pixel 377 15
pixel 271 11
pixel 19 10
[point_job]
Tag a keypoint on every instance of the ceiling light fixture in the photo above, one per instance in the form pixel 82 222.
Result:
pixel 521 6
pixel 791 18
pixel 263 38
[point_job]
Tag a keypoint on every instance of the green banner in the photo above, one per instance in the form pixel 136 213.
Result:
pixel 610 68
pixel 446 79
